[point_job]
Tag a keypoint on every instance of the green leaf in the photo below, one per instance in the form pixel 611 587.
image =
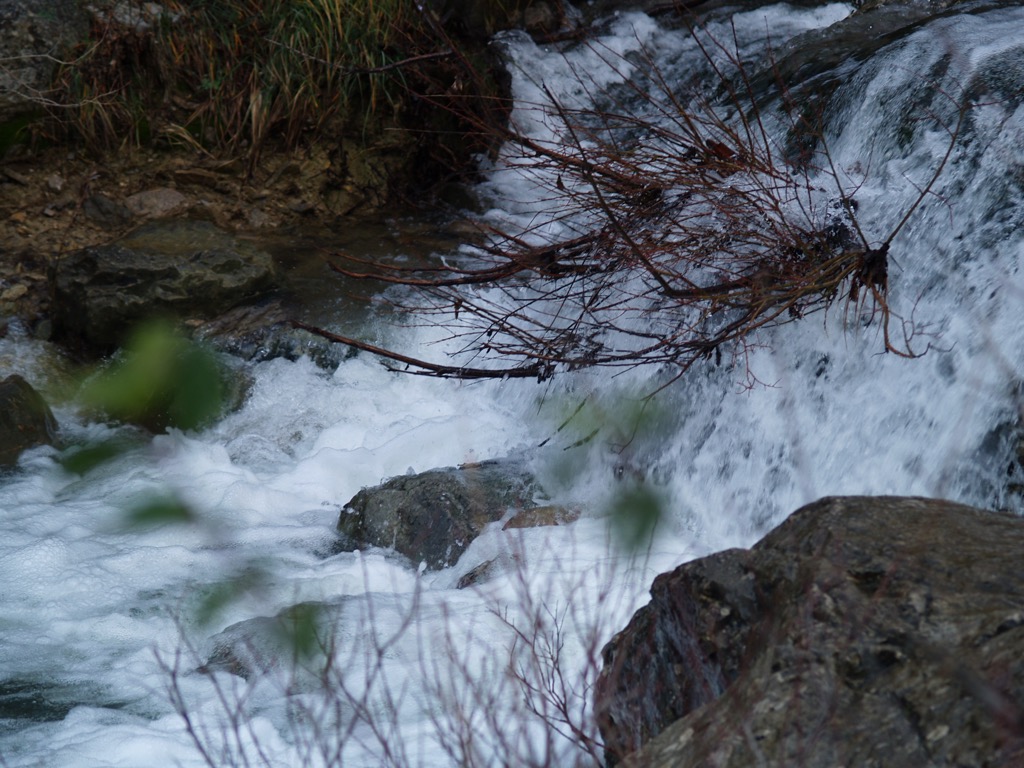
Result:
pixel 83 459
pixel 300 628
pixel 160 510
pixel 635 514
pixel 159 380
pixel 219 596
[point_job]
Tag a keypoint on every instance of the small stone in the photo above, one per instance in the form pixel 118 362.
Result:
pixel 17 178
pixel 534 517
pixel 476 575
pixel 14 293
pixel 156 203
pixel 302 206
pixel 25 420
pixel 260 219
pixel 105 212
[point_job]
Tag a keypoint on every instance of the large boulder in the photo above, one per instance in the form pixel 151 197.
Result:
pixel 860 632
pixel 25 419
pixel 433 517
pixel 182 269
pixel 33 36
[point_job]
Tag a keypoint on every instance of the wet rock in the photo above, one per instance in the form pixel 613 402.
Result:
pixel 106 213
pixel 33 34
pixel 263 331
pixel 862 631
pixel 25 419
pixel 433 517
pixel 14 293
pixel 298 640
pixel 25 700
pixel 181 269
pixel 543 18
pixel 132 15
pixel 477 19
pixel 536 517
pixel 812 65
pixel 478 574
pixel 266 643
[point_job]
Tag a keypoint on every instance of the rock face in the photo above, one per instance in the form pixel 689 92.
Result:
pixel 184 269
pixel 860 632
pixel 25 419
pixel 432 517
pixel 33 35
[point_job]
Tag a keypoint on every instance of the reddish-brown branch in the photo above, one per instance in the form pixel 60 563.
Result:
pixel 534 370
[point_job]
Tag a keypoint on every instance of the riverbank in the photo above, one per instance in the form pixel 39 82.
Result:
pixel 56 201
pixel 54 205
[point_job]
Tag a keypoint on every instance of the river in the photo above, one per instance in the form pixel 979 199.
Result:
pixel 102 626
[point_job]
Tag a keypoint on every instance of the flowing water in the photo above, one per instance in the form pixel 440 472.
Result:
pixel 95 618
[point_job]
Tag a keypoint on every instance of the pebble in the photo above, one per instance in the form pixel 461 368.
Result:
pixel 156 203
pixel 14 293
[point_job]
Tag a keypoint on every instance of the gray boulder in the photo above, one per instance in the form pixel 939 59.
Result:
pixel 25 419
pixel 34 34
pixel 182 269
pixel 860 632
pixel 433 517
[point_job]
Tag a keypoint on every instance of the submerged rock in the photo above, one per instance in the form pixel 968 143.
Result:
pixel 433 517
pixel 862 631
pixel 184 269
pixel 263 331
pixel 265 643
pixel 25 419
pixel 310 643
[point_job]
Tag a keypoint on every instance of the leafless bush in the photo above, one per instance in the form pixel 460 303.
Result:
pixel 690 228
pixel 507 684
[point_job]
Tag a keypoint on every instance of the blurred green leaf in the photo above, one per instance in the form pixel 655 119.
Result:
pixel 198 394
pixel 159 380
pixel 634 515
pixel 160 510
pixel 82 459
pixel 217 597
pixel 299 627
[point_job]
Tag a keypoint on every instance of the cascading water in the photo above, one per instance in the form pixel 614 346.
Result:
pixel 92 615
